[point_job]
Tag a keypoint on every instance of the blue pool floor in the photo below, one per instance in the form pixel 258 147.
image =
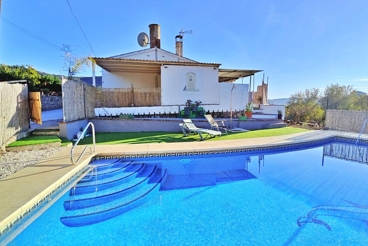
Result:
pixel 260 211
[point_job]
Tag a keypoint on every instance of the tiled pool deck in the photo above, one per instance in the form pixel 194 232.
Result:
pixel 23 190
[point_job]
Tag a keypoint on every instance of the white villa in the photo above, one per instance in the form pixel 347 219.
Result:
pixel 173 80
pixel 178 78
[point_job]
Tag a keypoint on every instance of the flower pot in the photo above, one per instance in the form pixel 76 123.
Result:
pixel 279 116
pixel 249 114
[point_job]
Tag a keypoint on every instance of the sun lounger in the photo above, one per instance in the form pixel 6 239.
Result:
pixel 188 127
pixel 215 124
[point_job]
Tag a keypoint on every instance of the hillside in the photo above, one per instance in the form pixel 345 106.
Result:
pixel 278 101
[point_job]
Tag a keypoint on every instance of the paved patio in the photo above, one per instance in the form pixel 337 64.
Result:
pixel 21 191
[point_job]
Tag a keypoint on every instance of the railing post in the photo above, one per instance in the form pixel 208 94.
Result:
pixel 88 146
pixel 361 131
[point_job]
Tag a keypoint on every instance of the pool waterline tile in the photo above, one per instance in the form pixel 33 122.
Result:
pixel 56 169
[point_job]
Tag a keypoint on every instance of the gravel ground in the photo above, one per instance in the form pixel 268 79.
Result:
pixel 11 162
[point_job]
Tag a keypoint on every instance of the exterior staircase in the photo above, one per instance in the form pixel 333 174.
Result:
pixel 109 190
pixel 46 131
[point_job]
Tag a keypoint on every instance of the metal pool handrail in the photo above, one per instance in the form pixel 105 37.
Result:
pixel 88 146
pixel 361 131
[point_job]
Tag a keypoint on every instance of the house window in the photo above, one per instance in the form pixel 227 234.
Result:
pixel 190 82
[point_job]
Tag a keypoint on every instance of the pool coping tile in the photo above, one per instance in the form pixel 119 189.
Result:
pixel 58 169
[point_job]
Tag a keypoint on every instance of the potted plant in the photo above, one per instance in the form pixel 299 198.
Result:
pixel 279 114
pixel 249 110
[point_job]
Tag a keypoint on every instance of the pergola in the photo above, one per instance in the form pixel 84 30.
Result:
pixel 152 66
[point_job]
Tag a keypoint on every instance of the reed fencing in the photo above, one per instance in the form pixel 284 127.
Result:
pixel 80 99
pixel 346 120
pixel 127 97
pixel 14 110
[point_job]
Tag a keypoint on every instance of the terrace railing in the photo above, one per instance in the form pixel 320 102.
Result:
pixel 361 130
pixel 88 146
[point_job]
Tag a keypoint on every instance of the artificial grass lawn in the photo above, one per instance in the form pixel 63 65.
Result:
pixel 33 140
pixel 172 137
pixel 153 137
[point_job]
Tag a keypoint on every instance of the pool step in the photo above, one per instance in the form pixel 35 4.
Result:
pixel 91 199
pixel 46 132
pixel 98 182
pixel 105 167
pixel 89 208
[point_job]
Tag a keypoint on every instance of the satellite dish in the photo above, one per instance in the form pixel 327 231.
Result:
pixel 142 39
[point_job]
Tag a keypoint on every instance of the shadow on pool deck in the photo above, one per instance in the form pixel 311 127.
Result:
pixel 24 189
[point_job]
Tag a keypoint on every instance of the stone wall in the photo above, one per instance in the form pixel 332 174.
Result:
pixel 51 102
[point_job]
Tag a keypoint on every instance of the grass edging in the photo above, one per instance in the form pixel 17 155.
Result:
pixel 35 140
pixel 33 147
pixel 152 137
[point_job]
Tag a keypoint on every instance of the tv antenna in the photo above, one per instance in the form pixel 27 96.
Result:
pixel 181 33
pixel 143 39
pixel 179 41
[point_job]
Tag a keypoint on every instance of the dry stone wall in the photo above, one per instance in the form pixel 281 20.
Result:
pixel 51 102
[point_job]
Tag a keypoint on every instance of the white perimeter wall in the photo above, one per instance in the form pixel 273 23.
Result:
pixel 237 99
pixel 125 80
pixel 174 80
pixel 273 109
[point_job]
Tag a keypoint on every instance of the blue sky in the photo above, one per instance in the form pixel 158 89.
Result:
pixel 299 44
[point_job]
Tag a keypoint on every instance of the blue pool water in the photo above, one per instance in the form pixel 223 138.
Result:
pixel 304 197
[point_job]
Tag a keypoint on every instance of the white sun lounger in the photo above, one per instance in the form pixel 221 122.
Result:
pixel 215 124
pixel 188 127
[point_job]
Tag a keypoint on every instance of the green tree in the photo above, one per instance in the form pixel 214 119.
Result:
pixel 36 81
pixel 337 97
pixel 344 98
pixel 50 83
pixel 20 73
pixel 304 106
pixel 361 102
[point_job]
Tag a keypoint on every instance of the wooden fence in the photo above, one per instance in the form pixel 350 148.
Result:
pixel 346 120
pixel 14 110
pixel 80 99
pixel 127 97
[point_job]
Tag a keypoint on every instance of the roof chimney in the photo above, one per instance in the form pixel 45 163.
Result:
pixel 179 45
pixel 155 40
pixel 179 41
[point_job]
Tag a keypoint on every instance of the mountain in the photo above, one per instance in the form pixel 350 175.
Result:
pixel 278 101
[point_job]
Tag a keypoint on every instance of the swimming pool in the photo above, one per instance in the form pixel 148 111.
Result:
pixel 307 196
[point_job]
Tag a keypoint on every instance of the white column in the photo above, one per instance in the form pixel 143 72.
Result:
pixel 93 74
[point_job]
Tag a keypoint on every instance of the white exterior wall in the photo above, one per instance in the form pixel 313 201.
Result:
pixel 137 110
pixel 237 100
pixel 174 83
pixel 125 80
pixel 272 109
